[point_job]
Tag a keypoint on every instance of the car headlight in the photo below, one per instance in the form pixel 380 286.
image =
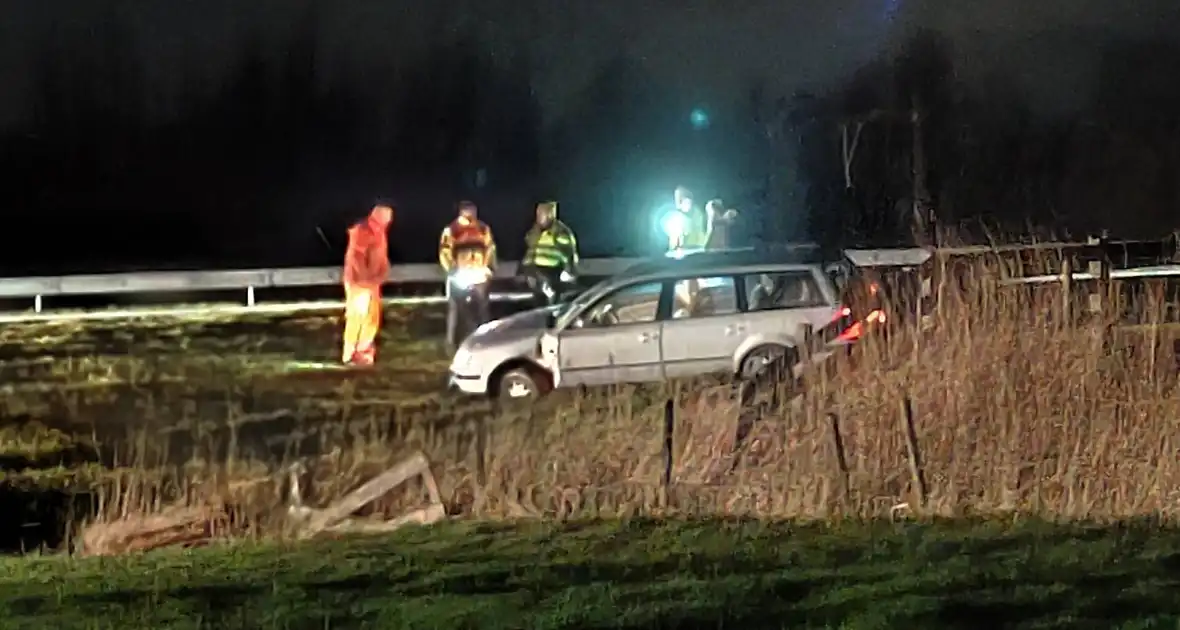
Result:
pixel 462 359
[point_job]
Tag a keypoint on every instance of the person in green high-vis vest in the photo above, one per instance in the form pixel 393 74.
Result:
pixel 551 255
pixel 688 226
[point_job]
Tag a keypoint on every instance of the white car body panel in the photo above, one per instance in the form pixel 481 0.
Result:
pixel 611 334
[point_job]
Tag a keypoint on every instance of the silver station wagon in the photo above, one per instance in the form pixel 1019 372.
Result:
pixel 731 311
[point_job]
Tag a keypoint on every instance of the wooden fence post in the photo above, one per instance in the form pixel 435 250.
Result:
pixel 481 451
pixel 1066 291
pixel 669 434
pixel 841 458
pixel 917 473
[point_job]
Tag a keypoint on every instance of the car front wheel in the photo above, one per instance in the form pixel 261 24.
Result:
pixel 520 385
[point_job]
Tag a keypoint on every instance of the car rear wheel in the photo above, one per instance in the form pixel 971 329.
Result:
pixel 763 360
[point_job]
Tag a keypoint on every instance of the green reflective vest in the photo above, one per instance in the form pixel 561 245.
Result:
pixel 554 247
pixel 696 231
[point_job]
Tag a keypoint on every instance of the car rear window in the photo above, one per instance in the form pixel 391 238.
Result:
pixel 783 289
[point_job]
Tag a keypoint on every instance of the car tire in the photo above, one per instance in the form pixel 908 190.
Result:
pixel 520 385
pixel 757 363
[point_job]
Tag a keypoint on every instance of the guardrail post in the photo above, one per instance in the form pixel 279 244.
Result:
pixel 250 295
pixel 37 303
pixel 1094 268
pixel 1100 319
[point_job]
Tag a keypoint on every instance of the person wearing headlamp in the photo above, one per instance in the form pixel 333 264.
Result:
pixel 467 253
pixel 687 226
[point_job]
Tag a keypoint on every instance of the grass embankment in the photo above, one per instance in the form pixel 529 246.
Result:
pixel 1013 410
pixel 642 574
pixel 168 401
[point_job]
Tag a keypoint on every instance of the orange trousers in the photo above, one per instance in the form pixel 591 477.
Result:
pixel 362 321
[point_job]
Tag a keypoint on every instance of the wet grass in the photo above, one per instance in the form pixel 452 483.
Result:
pixel 87 408
pixel 70 391
pixel 636 574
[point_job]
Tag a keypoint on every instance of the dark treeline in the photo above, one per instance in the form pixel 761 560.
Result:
pixel 245 172
pixel 988 163
pixel 248 171
pixel 251 171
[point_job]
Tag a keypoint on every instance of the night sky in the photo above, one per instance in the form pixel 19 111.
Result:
pixel 699 52
pixel 700 47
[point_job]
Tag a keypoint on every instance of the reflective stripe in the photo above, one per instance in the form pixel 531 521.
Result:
pixel 549 248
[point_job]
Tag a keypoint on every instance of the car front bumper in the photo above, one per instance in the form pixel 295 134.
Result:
pixel 467 384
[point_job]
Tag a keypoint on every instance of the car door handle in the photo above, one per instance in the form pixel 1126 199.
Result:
pixel 734 330
pixel 646 337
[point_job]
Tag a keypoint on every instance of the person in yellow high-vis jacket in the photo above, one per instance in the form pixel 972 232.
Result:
pixel 551 254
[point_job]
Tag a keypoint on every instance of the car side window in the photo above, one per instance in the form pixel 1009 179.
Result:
pixel 704 297
pixel 839 274
pixel 636 304
pixel 782 289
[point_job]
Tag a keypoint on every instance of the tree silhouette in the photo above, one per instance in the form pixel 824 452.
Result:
pixel 991 159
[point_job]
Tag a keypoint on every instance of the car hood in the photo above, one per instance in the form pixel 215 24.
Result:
pixel 527 324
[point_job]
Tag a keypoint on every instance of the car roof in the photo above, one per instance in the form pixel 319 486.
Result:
pixel 786 254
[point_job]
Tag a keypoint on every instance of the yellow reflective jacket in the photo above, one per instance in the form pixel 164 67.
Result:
pixel 554 247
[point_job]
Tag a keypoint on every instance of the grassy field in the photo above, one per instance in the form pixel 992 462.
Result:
pixel 637 574
pixel 997 410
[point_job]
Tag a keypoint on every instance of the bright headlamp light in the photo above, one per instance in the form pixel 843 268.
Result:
pixel 674 224
pixel 468 277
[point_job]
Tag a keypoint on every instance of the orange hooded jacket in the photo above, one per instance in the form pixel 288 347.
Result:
pixel 366 264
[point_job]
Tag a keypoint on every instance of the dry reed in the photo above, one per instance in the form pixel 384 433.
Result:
pixel 1014 409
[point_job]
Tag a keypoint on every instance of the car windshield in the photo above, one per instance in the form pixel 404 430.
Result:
pixel 573 305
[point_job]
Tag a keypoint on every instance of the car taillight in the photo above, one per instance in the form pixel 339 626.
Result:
pixel 851 330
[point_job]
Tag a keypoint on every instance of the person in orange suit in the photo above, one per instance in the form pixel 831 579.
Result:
pixel 366 268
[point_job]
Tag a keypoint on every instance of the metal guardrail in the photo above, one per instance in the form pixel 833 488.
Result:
pixel 206 311
pixel 1154 271
pixel 250 280
pixel 39 287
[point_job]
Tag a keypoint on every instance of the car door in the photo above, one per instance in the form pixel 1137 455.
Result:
pixel 704 337
pixel 615 340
